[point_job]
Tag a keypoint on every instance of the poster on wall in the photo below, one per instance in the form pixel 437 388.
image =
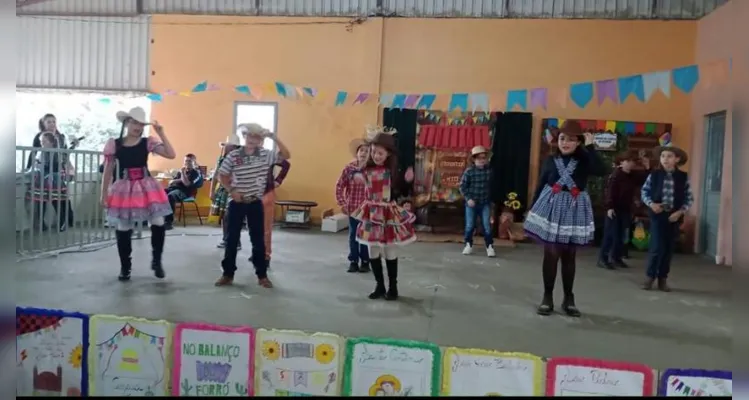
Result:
pixel 583 377
pixel 212 360
pixel 391 368
pixel 696 383
pixel 473 372
pixel 51 346
pixel 128 356
pixel 448 169
pixel 293 364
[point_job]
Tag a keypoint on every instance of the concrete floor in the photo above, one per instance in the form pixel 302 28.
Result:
pixel 448 299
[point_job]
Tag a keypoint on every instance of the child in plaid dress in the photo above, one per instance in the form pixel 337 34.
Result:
pixel 350 194
pixel 562 215
pixel 668 196
pixel 384 225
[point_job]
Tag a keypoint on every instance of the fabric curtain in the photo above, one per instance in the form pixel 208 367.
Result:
pixel 510 160
pixel 404 121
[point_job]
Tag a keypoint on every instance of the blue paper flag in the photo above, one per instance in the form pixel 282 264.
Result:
pixel 426 101
pixel 629 128
pixel 281 89
pixel 399 101
pixel 631 85
pixel 200 87
pixel 517 98
pixel 340 98
pixel 686 78
pixel 479 101
pixel 155 97
pixel 552 123
pixel 458 100
pixel 243 89
pixel 581 93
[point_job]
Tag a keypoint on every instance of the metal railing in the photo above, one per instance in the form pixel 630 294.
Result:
pixel 58 205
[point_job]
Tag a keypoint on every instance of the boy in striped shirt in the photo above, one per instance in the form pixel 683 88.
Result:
pixel 244 173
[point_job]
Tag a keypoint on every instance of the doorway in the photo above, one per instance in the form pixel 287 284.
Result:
pixel 715 131
pixel 263 113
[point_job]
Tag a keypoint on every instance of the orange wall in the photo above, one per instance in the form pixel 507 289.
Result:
pixel 398 55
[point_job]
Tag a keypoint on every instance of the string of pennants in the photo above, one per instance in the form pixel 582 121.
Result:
pixel 129 330
pixel 687 390
pixel 618 90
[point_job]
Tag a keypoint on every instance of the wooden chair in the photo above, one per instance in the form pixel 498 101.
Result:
pixel 191 200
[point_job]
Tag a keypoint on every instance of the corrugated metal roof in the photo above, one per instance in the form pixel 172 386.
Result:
pixel 603 9
pixel 84 53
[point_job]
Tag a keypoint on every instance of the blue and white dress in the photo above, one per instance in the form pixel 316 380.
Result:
pixel 563 215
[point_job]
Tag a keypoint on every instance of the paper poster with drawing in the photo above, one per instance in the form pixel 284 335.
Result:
pixel 212 361
pixel 128 356
pixel 51 347
pixel 391 368
pixel 294 363
pixel 473 372
pixel 696 383
pixel 585 377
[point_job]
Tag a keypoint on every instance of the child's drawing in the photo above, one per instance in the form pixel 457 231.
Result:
pixel 50 353
pixel 583 377
pixel 696 383
pixel 291 363
pixel 388 386
pixel 473 372
pixel 128 357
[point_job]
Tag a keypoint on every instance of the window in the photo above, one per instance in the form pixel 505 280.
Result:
pixel 264 114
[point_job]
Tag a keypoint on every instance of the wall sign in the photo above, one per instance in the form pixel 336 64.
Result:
pixel 605 141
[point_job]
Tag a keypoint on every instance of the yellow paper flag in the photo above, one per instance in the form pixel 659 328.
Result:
pixel 185 93
pixel 560 122
pixel 610 126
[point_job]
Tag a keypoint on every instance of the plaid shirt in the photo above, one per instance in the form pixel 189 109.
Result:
pixel 349 193
pixel 668 193
pixel 475 184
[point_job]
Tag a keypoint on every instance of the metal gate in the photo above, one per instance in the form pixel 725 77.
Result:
pixel 715 132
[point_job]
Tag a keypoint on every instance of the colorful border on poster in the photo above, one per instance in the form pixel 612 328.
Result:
pixel 84 339
pixel 551 371
pixel 341 345
pixel 167 344
pixel 697 373
pixel 177 353
pixel 412 344
pixel 538 363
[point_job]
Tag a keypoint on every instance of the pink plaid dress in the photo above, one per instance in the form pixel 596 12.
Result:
pixel 383 222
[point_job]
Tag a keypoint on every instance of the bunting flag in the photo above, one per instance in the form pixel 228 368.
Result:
pixel 154 97
pixel 411 101
pixel 244 89
pixel 581 93
pixel 458 101
pixel 311 92
pixel 213 87
pixel 399 101
pixel 290 90
pixel 560 97
pixel 299 92
pixel 606 89
pixel 257 93
pixel 185 94
pixel 129 330
pixel 386 99
pixel 686 78
pixel 479 101
pixel 170 92
pixel 539 98
pixel 610 126
pixel 653 81
pixel 426 101
pixel 340 98
pixel 517 98
pixel 280 89
pixel 361 98
pixel 200 87
pixel 631 85
pixel 685 389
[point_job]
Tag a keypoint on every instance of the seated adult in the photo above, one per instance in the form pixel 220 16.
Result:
pixel 185 184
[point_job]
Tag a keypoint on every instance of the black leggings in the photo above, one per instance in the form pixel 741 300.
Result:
pixel 552 255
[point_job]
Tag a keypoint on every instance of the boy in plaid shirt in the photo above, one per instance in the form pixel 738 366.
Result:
pixel 349 194
pixel 474 186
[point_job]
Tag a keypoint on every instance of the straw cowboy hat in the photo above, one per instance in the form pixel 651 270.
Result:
pixel 137 114
pixel 373 131
pixel 355 144
pixel 479 150
pixel 232 140
pixel 680 153
pixel 253 129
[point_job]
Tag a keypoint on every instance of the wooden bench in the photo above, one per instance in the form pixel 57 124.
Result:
pixel 296 214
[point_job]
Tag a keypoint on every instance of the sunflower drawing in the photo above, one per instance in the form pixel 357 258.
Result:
pixel 324 353
pixel 271 350
pixel 76 357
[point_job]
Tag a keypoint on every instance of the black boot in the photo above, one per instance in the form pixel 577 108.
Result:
pixel 547 304
pixel 158 235
pixel 392 267
pixel 568 305
pixel 125 249
pixel 379 291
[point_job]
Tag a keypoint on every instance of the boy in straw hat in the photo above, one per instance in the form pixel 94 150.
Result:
pixel 349 194
pixel 475 188
pixel 244 173
pixel 668 195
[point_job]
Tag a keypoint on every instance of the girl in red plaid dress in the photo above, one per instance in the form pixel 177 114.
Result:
pixel 384 224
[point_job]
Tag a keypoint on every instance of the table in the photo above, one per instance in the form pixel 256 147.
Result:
pixel 296 214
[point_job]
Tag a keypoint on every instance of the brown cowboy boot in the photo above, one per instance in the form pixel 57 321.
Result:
pixel 663 285
pixel 648 285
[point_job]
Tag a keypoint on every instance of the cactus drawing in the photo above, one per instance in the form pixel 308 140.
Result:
pixel 240 388
pixel 186 387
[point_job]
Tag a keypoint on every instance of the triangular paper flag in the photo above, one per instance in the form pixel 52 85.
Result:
pixel 653 81
pixel 411 101
pixel 631 85
pixel 340 98
pixel 581 93
pixel 185 93
pixel 539 98
pixel 606 90
pixel 361 98
pixel 686 78
pixel 517 98
pixel 281 89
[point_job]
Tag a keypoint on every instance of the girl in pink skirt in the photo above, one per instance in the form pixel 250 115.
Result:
pixel 134 195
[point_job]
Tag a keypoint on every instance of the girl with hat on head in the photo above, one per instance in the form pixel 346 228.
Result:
pixel 475 188
pixel 384 225
pixel 134 195
pixel 562 214
pixel 350 194
pixel 219 196
pixel 668 196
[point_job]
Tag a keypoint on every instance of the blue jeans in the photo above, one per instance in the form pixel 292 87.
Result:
pixel 483 211
pixel 357 251
pixel 614 231
pixel 663 237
